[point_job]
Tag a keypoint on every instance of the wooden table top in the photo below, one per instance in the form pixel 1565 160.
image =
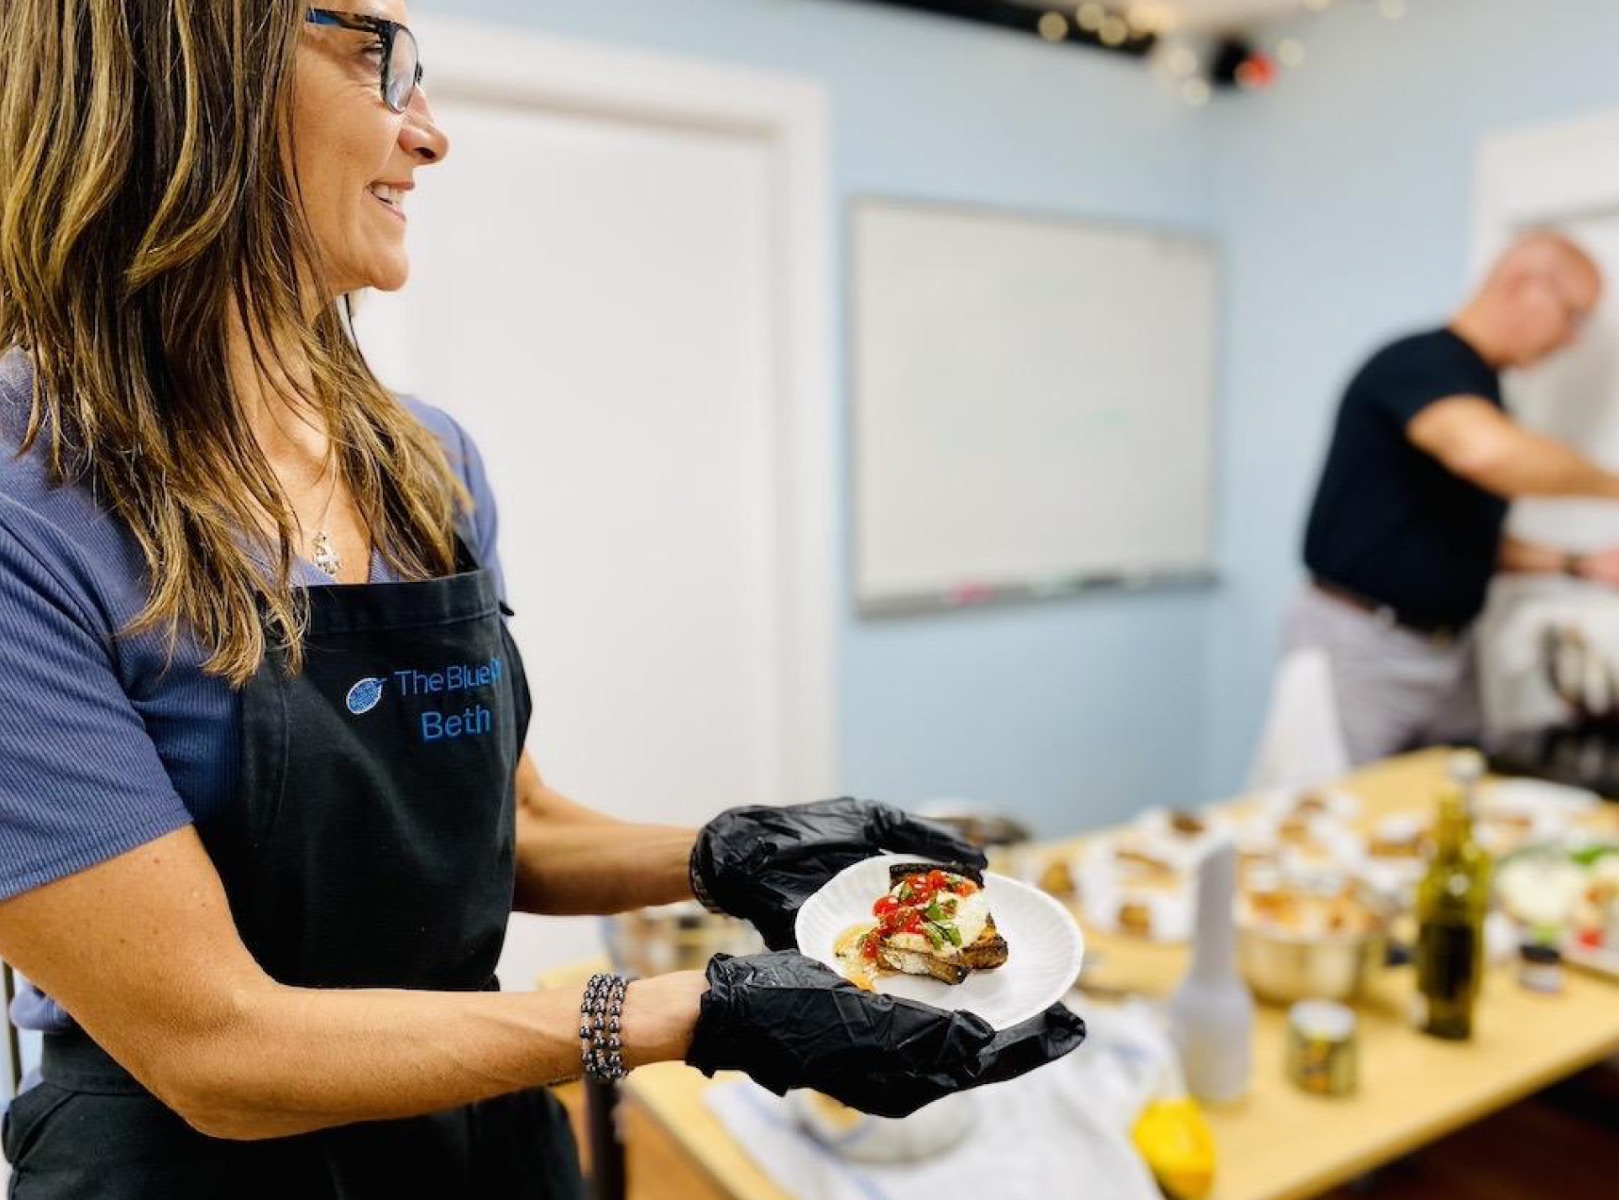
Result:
pixel 1279 1143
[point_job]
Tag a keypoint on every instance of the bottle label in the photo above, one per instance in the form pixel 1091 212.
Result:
pixel 1447 963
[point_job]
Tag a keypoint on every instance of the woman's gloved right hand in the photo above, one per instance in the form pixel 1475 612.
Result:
pixel 789 1022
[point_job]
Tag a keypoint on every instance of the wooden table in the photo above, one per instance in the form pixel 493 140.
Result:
pixel 1281 1144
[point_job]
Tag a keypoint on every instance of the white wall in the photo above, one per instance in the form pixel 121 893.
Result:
pixel 1074 712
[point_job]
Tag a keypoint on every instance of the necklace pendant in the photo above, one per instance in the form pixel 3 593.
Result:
pixel 324 554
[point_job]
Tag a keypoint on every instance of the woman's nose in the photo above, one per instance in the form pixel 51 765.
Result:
pixel 420 135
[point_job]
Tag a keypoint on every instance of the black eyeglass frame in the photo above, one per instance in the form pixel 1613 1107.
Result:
pixel 387 32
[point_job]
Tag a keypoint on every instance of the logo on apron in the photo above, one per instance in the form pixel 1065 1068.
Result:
pixel 364 696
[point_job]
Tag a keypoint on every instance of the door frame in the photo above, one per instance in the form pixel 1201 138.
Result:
pixel 788 117
pixel 1545 173
pixel 1554 171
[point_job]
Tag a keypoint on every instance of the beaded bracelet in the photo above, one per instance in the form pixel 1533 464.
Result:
pixel 601 1014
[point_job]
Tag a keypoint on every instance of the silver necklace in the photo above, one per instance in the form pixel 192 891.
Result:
pixel 322 552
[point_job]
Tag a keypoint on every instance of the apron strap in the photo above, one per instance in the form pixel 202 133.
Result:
pixel 13 1046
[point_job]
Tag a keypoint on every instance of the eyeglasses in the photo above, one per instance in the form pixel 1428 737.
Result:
pixel 1575 314
pixel 400 56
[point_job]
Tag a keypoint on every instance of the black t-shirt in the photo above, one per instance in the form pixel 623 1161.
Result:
pixel 1389 521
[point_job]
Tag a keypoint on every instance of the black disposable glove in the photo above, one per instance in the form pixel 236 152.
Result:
pixel 762 863
pixel 790 1022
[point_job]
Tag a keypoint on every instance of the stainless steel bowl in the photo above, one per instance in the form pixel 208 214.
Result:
pixel 674 937
pixel 1283 967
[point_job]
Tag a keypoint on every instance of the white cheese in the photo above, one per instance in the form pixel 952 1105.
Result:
pixel 972 914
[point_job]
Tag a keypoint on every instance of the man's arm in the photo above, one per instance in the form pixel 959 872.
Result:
pixel 1477 441
pixel 571 859
pixel 1530 558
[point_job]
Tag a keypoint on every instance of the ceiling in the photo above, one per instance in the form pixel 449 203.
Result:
pixel 1194 14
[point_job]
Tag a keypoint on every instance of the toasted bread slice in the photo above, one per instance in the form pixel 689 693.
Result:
pixel 914 962
pixel 948 963
pixel 988 951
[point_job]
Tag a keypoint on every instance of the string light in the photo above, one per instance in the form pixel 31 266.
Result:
pixel 1255 72
pixel 1090 16
pixel 1150 19
pixel 1053 27
pixel 1114 31
pixel 1181 61
pixel 1290 52
pixel 1196 92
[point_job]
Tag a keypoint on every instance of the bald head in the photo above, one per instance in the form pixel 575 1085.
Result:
pixel 1535 299
pixel 1547 253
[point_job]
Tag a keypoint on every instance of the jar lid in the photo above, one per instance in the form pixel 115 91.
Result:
pixel 1323 1019
pixel 1540 953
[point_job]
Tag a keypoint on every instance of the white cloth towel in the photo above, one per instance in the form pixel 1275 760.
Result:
pixel 1303 743
pixel 1527 617
pixel 1059 1133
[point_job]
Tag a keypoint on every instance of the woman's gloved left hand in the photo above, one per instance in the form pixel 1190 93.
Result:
pixel 761 862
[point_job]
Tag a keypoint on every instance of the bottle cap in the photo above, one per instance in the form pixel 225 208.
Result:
pixel 1466 766
pixel 1540 953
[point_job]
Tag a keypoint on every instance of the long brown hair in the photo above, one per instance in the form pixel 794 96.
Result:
pixel 147 206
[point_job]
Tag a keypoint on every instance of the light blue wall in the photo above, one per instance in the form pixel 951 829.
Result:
pixel 1345 201
pixel 1071 713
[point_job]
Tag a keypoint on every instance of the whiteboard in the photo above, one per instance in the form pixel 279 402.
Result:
pixel 1033 405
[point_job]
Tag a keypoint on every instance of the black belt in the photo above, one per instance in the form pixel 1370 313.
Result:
pixel 71 1061
pixel 1438 631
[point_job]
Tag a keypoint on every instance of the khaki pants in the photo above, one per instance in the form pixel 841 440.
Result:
pixel 1396 690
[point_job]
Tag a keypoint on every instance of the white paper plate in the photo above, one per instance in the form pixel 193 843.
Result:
pixel 1044 944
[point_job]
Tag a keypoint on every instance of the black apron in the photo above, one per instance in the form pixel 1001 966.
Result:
pixel 373 846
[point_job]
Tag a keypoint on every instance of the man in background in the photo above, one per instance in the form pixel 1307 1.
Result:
pixel 1408 522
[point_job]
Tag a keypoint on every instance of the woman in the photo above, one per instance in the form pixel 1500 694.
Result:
pixel 264 808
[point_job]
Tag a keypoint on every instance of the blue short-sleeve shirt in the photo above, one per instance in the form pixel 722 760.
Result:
pixel 106 744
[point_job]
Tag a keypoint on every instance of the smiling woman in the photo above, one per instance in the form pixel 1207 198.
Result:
pixel 353 172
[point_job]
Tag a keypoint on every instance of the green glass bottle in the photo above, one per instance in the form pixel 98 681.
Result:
pixel 1452 901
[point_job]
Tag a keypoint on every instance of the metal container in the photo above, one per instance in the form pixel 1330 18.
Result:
pixel 1323 1048
pixel 674 937
pixel 1283 967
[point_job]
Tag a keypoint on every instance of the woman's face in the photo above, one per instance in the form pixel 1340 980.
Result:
pixel 355 157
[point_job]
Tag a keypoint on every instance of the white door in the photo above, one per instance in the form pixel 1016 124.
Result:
pixel 608 291
pixel 1564 176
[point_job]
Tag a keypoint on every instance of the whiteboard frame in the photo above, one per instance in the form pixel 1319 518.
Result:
pixel 1078 583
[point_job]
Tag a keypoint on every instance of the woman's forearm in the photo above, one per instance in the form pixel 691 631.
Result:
pixel 572 859
pixel 292 1060
pixel 566 869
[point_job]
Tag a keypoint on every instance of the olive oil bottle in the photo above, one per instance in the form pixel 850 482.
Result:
pixel 1452 901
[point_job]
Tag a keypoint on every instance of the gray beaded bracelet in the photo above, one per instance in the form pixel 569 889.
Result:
pixel 601 1015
